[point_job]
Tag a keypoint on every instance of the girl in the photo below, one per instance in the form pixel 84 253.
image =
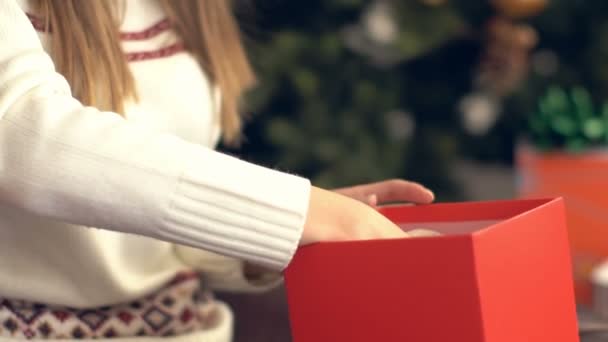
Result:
pixel 109 111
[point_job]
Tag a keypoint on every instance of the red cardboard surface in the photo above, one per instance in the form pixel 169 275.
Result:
pixel 577 177
pixel 501 273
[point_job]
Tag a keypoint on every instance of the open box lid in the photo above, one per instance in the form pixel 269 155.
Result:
pixel 460 218
pixel 461 221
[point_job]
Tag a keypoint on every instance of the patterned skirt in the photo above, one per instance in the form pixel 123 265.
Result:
pixel 178 308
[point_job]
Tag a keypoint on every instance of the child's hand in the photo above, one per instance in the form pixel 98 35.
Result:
pixel 394 190
pixel 333 217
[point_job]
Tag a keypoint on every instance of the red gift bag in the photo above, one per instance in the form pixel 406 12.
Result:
pixel 581 180
pixel 500 273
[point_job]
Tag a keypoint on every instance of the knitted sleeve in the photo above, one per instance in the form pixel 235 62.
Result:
pixel 62 160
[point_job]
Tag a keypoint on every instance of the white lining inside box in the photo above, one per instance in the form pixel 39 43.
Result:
pixel 449 228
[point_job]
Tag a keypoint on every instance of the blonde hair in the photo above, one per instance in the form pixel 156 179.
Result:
pixel 85 46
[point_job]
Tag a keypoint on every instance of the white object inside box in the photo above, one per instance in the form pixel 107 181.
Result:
pixel 599 279
pixel 600 274
pixel 449 228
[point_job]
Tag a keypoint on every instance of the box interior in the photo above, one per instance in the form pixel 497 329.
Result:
pixel 450 228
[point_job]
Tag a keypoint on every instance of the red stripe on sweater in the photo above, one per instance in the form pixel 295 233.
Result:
pixel 160 53
pixel 147 33
pixel 163 25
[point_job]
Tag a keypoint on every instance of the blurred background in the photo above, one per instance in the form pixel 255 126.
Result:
pixel 358 90
pixel 470 98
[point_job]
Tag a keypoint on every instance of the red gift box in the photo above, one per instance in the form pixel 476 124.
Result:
pixel 500 273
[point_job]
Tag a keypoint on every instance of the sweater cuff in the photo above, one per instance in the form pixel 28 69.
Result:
pixel 237 209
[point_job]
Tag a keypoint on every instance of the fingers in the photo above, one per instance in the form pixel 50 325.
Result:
pixel 398 190
pixel 395 190
pixel 360 193
pixel 372 200
pixel 421 232
pixel 394 234
pixel 385 229
pixel 333 217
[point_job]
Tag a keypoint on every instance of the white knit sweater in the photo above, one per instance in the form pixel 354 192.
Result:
pixel 152 176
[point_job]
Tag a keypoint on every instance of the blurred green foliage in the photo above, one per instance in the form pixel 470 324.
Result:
pixel 568 120
pixel 340 112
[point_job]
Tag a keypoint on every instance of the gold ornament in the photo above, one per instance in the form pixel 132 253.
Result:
pixel 505 60
pixel 520 8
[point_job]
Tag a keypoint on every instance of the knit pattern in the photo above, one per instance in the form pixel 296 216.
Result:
pixel 178 308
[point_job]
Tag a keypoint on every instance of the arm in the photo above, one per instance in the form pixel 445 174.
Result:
pixel 65 161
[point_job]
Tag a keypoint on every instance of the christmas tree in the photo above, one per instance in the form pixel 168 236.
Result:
pixel 354 91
